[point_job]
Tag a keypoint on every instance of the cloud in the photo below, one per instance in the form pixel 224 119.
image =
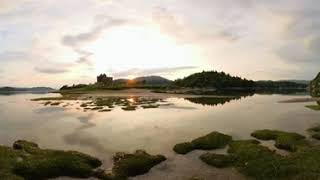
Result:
pixel 84 57
pixel 314 44
pixel 93 34
pixel 51 70
pixel 81 137
pixel 169 24
pixel 76 41
pixel 154 71
pixel 13 55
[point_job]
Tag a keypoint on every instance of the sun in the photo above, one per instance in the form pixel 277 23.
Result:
pixel 131 77
pixel 144 47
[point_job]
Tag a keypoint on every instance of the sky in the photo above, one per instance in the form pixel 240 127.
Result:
pixel 57 42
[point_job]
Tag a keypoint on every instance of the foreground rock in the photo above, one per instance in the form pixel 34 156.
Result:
pixel 259 162
pixel 27 161
pixel 315 132
pixel 129 165
pixel 214 140
pixel 284 140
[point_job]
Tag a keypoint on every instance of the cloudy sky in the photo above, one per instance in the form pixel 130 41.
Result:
pixel 57 42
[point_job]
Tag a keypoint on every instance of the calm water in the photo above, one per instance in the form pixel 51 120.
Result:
pixel 157 130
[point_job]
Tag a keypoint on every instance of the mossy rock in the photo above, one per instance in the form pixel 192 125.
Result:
pixel 196 178
pixel 283 140
pixel 259 162
pixel 314 107
pixel 138 163
pixel 183 148
pixel 55 103
pixel 129 108
pixel 150 106
pixel 315 132
pixel 97 108
pixel 217 160
pixel 214 140
pixel 27 161
pixel 105 110
pixel 315 129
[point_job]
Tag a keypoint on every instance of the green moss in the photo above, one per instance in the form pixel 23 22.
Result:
pixel 84 105
pixel 27 161
pixel 105 102
pixel 47 103
pixel 315 129
pixel 150 106
pixel 129 165
pixel 55 103
pixel 196 178
pixel 259 162
pixel 284 140
pixel 105 110
pixel 314 107
pixel 129 108
pixel 316 136
pixel 97 108
pixel 315 132
pixel 217 160
pixel 183 148
pixel 214 140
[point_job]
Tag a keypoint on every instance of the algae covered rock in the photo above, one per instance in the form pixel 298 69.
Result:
pixel 284 140
pixel 315 132
pixel 183 148
pixel 259 162
pixel 27 161
pixel 138 163
pixel 217 160
pixel 214 140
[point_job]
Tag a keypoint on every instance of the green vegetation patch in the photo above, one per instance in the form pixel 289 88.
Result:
pixel 315 132
pixel 27 161
pixel 214 140
pixel 314 107
pixel 55 103
pixel 284 140
pixel 105 110
pixel 259 162
pixel 129 108
pixel 97 108
pixel 138 163
pixel 217 160
pixel 150 106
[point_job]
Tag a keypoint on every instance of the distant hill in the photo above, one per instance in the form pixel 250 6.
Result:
pixel 306 82
pixel 213 79
pixel 221 80
pixel 280 85
pixel 153 80
pixel 315 86
pixel 145 80
pixel 22 89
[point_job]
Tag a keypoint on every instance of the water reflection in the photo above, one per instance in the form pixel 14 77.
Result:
pixel 212 101
pixel 155 130
pixel 48 110
pixel 82 137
